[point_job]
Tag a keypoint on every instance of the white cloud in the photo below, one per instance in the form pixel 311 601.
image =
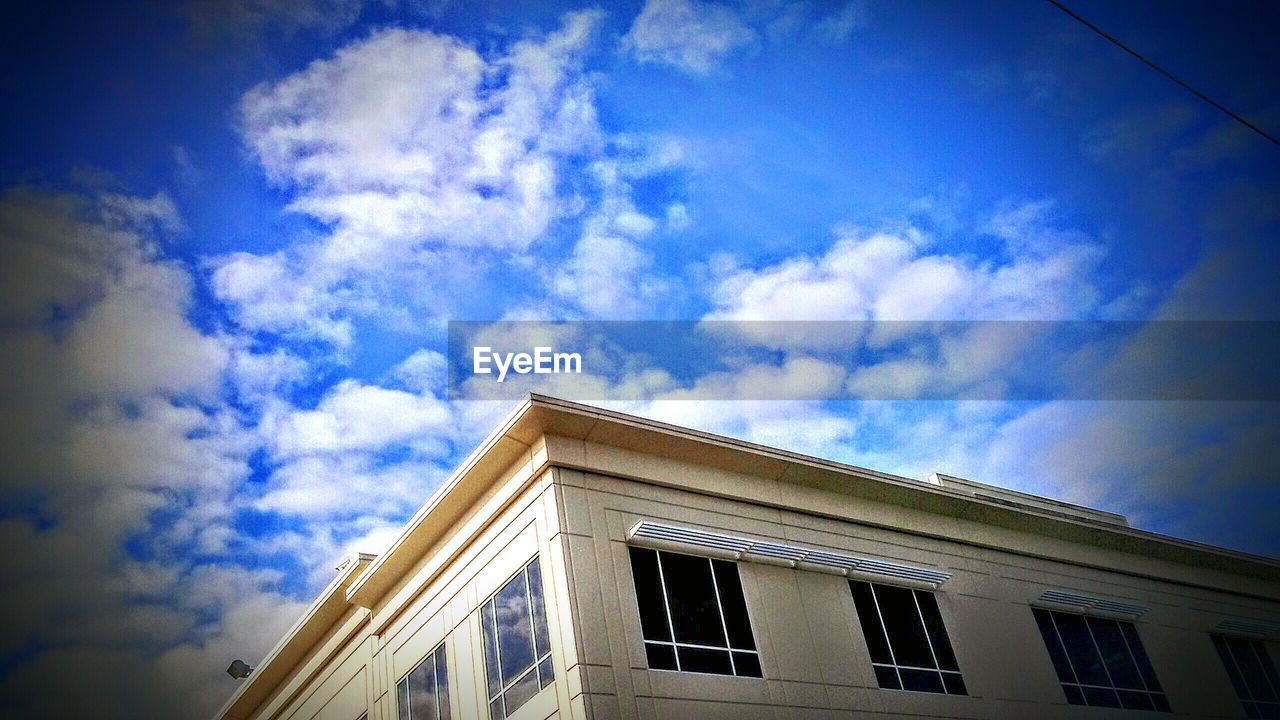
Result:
pixel 419 154
pixel 691 35
pixel 1046 273
pixel 424 371
pixel 355 416
pixel 837 27
pixel 91 266
pixel 799 426
pixel 349 486
pixel 397 140
pixel 606 277
pixel 112 419
pixel 267 292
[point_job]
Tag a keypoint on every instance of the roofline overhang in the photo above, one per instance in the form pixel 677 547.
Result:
pixel 310 628
pixel 536 415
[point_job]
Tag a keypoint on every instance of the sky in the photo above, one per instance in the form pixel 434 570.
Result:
pixel 232 233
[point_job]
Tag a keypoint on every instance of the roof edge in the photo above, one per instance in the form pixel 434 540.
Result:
pixel 301 637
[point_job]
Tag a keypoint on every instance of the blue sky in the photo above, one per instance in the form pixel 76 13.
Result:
pixel 233 233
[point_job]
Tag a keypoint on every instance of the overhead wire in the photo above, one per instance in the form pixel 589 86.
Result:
pixel 1114 41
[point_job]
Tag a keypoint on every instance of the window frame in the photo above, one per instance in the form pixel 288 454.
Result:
pixel 1266 667
pixel 541 656
pixel 1158 697
pixel 728 648
pixel 438 656
pixel 957 687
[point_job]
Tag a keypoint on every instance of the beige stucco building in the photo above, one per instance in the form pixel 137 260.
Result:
pixel 583 563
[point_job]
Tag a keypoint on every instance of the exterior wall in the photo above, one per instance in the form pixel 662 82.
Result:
pixel 572 502
pixel 438 601
pixel 815 660
pixel 332 685
pixel 447 610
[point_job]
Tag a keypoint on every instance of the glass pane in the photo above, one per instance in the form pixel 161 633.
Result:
pixel 954 683
pixel 1251 668
pixel 694 611
pixel 653 612
pixel 705 661
pixel 1161 702
pixel 734 605
pixel 545 674
pixel 521 691
pixel 870 621
pixel 1115 653
pixel 1056 652
pixel 541 638
pixel 1229 662
pixel 442 682
pixel 661 657
pixel 487 629
pixel 747 664
pixel 902 622
pixel 1135 700
pixel 402 698
pixel 887 677
pixel 1268 668
pixel 1074 695
pixel 1140 655
pixel 495 709
pixel 937 631
pixel 921 680
pixel 422 690
pixel 1084 656
pixel 1103 697
pixel 515 636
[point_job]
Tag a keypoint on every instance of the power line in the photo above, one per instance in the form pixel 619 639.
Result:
pixel 1162 71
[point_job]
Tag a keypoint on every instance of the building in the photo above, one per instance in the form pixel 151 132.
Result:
pixel 584 563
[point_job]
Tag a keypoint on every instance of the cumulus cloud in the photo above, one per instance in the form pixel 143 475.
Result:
pixel 417 153
pixel 91 307
pixel 691 35
pixel 113 428
pixel 349 486
pixel 1043 272
pixel 355 416
pixel 424 371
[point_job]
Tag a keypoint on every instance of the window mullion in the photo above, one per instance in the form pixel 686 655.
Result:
pixel 408 695
pixel 1102 658
pixel 1142 677
pixel 666 607
pixel 1244 679
pixel 435 678
pixel 925 626
pixel 1065 650
pixel 533 626
pixel 724 627
pixel 883 628
pixel 1257 649
pixel 497 658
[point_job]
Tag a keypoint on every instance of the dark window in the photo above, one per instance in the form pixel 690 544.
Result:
pixel 423 693
pixel 517 647
pixel 906 639
pixel 1100 661
pixel 693 614
pixel 1252 673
